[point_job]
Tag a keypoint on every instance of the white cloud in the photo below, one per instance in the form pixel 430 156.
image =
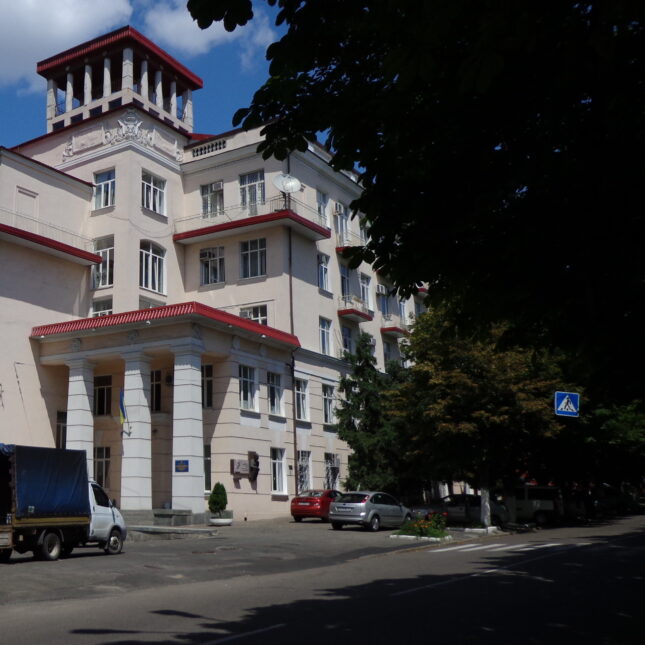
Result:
pixel 168 23
pixel 31 30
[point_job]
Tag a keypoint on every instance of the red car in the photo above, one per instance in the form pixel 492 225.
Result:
pixel 313 503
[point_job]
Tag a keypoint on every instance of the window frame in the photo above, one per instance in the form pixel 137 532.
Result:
pixel 252 191
pixel 348 340
pixel 103 274
pixel 301 399
pixel 212 263
pixel 256 313
pixel 304 470
pixel 104 189
pixel 365 284
pixel 155 390
pixel 102 403
pixel 152 265
pixel 247 379
pixel 105 311
pixel 323 271
pixel 322 204
pixel 212 193
pixel 328 398
pixel 102 459
pixel 277 457
pixel 253 261
pixel 153 193
pixel 325 337
pixel 207 386
pixel 274 394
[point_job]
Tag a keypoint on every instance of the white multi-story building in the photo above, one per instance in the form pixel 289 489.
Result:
pixel 159 273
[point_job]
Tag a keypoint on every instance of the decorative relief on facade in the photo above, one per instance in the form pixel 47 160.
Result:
pixel 75 345
pixel 197 332
pixel 263 350
pixel 84 140
pixel 133 336
pixel 235 342
pixel 129 130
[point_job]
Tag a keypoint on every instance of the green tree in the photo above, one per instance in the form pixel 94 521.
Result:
pixel 500 148
pixel 481 409
pixel 363 422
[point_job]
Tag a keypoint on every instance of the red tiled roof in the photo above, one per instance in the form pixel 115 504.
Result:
pixel 124 34
pixel 165 313
pixel 60 247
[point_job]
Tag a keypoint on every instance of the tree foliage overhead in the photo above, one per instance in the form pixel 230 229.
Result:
pixel 500 148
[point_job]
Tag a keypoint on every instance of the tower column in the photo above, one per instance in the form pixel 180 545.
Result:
pixel 173 98
pixel 158 89
pixel 107 77
pixel 87 85
pixel 127 71
pixel 144 79
pixel 188 109
pixel 69 92
pixel 51 98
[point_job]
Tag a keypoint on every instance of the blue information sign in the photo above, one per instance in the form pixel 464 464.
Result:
pixel 567 404
pixel 181 465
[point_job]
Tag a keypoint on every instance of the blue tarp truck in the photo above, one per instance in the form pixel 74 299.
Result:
pixel 48 505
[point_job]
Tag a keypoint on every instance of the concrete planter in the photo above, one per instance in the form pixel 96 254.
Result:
pixel 225 518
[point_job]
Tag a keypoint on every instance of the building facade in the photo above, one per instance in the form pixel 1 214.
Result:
pixel 171 302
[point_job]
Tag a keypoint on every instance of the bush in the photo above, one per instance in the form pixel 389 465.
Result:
pixel 217 500
pixel 434 526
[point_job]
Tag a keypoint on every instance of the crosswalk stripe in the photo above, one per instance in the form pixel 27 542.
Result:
pixel 461 547
pixel 483 546
pixel 510 547
pixel 539 546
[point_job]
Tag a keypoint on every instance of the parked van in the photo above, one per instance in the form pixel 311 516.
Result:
pixel 539 504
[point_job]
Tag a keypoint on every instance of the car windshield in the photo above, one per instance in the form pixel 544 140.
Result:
pixel 352 498
pixel 312 493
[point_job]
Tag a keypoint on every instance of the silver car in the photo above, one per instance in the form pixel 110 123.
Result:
pixel 371 509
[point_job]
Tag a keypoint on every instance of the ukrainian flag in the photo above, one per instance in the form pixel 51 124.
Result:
pixel 122 413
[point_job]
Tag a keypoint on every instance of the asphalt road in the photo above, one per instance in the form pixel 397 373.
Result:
pixel 289 583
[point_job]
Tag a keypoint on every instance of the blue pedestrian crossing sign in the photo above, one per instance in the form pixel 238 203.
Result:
pixel 567 404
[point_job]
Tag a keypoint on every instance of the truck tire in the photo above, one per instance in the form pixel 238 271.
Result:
pixel 51 547
pixel 5 554
pixel 114 545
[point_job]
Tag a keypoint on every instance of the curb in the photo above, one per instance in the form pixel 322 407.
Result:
pixel 143 533
pixel 416 538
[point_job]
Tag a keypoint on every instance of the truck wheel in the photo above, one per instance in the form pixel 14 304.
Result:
pixel 114 544
pixel 5 554
pixel 51 547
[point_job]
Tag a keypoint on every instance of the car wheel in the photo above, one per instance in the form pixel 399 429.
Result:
pixel 114 544
pixel 336 526
pixel 374 524
pixel 297 519
pixel 51 547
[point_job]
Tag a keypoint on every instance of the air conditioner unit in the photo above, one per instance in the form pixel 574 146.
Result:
pixel 381 289
pixel 245 313
pixel 217 185
pixel 339 209
pixel 372 341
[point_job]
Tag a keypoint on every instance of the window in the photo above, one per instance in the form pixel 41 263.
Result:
pixel 402 310
pixel 324 327
pixel 363 231
pixel 252 191
pixel 102 307
pixel 212 199
pixel 365 289
pixel 321 205
pixel 153 193
pixel 103 274
pixel 274 387
pixel 301 399
pixel 254 258
pixel 104 189
pixel 384 303
pixel 344 281
pixel 155 391
pixel 304 470
pixel 146 303
pixel 257 313
pixel 207 386
pixel 278 471
pixel 323 271
pixel 388 351
pixel 207 467
pixel 211 262
pixel 342 224
pixel 328 404
pixel 102 395
pixel 348 344
pixel 247 387
pixel 151 266
pixel 102 466
pixel 332 470
pixel 61 429
pixel 419 308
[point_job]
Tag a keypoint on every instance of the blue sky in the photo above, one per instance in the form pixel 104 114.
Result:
pixel 232 66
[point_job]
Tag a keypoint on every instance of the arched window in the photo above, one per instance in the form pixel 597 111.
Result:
pixel 151 267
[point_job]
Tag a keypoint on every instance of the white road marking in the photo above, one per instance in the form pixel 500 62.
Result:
pixel 482 546
pixel 235 637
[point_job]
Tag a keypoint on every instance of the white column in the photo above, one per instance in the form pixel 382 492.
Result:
pixel 136 464
pixel 80 402
pixel 107 77
pixel 158 89
pixel 127 70
pixel 144 79
pixel 87 85
pixel 51 98
pixel 188 109
pixel 188 430
pixel 69 92
pixel 173 98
